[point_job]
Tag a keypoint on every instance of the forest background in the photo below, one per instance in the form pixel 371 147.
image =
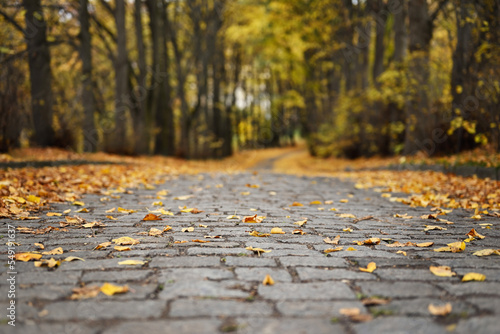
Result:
pixel 199 79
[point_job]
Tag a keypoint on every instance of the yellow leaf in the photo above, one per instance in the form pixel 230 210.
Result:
pixel 332 209
pixel 253 219
pixel 298 231
pixel 158 203
pixel 277 230
pixel 125 241
pixel 84 210
pixel 122 248
pixel 151 216
pixel 166 213
pixel 34 199
pixel 122 210
pixel 39 245
pixel 486 252
pixel 297 204
pixel 344 201
pixel 401 252
pixel 201 225
pixel 111 289
pixel 347 229
pixel 180 242
pixel 329 202
pixel 346 215
pixel 442 271
pixel 335 240
pixel 315 203
pixel 245 193
pixel 440 310
pixel 167 228
pixel 55 251
pixel 257 250
pixel 103 245
pixel 183 198
pixel 386 195
pixel 473 277
pixel 25 257
pixel 93 224
pixel 351 249
pixel 425 244
pixel 268 280
pixel 433 227
pixel 53 214
pixel 457 247
pixel 188 229
pixel 162 193
pixel 369 268
pixel 131 262
pixel 301 222
pixel 336 249
pixel 233 217
pixel 66 211
pixel 200 241
pixel 110 210
pixel 252 185
pixel 73 258
pixel 474 234
pixel 48 263
pixel 111 217
pixel 187 210
pixel 78 203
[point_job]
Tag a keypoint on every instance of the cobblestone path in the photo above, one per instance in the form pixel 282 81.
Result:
pixel 186 286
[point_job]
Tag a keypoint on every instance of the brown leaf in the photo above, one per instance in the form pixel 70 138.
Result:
pixel 335 240
pixel 253 219
pixel 85 292
pixel 473 233
pixel 151 216
pixel 200 241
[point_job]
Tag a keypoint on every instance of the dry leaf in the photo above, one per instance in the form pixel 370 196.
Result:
pixel 183 198
pixel 375 301
pixel 257 250
pixel 440 310
pixel 344 201
pixel 350 311
pixel 52 263
pixel 111 289
pixel 252 185
pixel 404 216
pixel 486 252
pixel 25 257
pixel 350 249
pixel 131 262
pixel 122 248
pixel 93 224
pixel 84 210
pixel 167 228
pixel 110 210
pixel 85 292
pixel 151 216
pixel 154 232
pixel 297 204
pixel 259 234
pixel 52 214
pixel 253 219
pixel 213 237
pixel 335 240
pixel 301 222
pixel 125 241
pixel 346 215
pixel 39 245
pixel 201 241
pixel 122 210
pixel 103 245
pixel 315 203
pixel 78 203
pixel 473 277
pixel 111 217
pixel 188 229
pixel 401 252
pixel 180 242
pixel 442 271
pixel 73 258
pixel 473 233
pixel 336 249
pixel 347 229
pixel 369 268
pixel 433 227
pixel 277 230
pixel 268 280
pixel 233 217
pixel 425 244
pixel 55 251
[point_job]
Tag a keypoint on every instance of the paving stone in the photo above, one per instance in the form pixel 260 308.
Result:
pixel 217 251
pixel 419 307
pixel 34 328
pixel 194 274
pixel 316 308
pixel 116 276
pixel 403 274
pixel 288 325
pixel 185 261
pixel 315 274
pixel 399 325
pixel 49 277
pixel 478 325
pixel 485 304
pixel 398 289
pixel 202 326
pixel 187 308
pixel 472 288
pixel 258 274
pixel 90 310
pixel 311 291
pixel 242 261
pixel 200 289
pixel 290 261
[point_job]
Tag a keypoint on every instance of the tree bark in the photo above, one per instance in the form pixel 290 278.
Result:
pixel 380 18
pixel 88 100
pixel 40 73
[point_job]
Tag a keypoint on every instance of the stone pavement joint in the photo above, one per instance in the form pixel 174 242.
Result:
pixel 192 287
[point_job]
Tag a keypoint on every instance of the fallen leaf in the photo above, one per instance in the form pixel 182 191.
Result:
pixel 73 258
pixel 404 216
pixel 52 263
pixel 180 242
pixel 125 241
pixel 347 229
pixel 54 214
pixel 473 277
pixel 167 228
pixel 335 240
pixel 85 292
pixel 315 203
pixel 369 268
pixel 39 245
pixel 259 234
pixel 78 203
pixel 111 289
pixel 297 204
pixel 351 249
pixel 183 198
pixel 440 310
pixel 157 203
pixel 122 248
pixel 233 217
pixel 401 252
pixel 425 244
pixel 33 199
pixel 103 245
pixel 25 257
pixel 188 229
pixel 372 301
pixel 151 216
pixel 430 216
pixel 213 237
pixel 433 227
pixel 84 210
pixel 442 271
pixel 257 250
pixel 486 252
pixel 195 211
pixel 371 241
pixel 131 262
pixel 268 280
pixel 277 230
pixel 245 193
pixel 253 219
pixel 201 225
pixel 154 232
pixel 55 251
pixel 350 311
pixel 110 210
pixel 298 231
pixel 93 224
pixel 251 185
pixel 346 215
pixel 199 240
pixel 474 234
pixel 111 217
pixel 301 222
pixel 344 201
pixel 122 210
pixel 336 249
pixel 399 244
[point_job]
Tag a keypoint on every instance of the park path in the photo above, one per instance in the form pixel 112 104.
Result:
pixel 185 286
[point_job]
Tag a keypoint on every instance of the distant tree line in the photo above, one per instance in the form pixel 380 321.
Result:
pixel 199 78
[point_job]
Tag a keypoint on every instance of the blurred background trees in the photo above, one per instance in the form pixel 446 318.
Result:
pixel 201 78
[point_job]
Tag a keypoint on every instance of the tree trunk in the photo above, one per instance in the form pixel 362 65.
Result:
pixel 40 73
pixel 380 23
pixel 88 101
pixel 400 32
